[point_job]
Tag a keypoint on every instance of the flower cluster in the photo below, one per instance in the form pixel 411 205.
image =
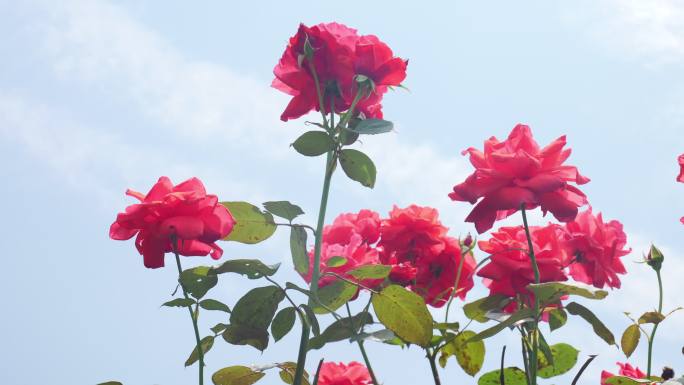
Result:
pixel 516 171
pixel 587 249
pixel 411 240
pixel 337 59
pixel 183 214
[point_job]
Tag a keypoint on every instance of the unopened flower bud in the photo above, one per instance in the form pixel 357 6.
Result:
pixel 468 241
pixel 655 258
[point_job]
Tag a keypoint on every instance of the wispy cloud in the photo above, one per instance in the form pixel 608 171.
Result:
pixel 649 30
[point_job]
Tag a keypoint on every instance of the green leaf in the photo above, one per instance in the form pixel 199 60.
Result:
pixel 251 268
pixel 333 296
pixel 348 137
pixel 622 380
pixel 564 359
pixel 257 308
pixel 287 373
pixel 283 209
pixel 311 319
pixel 372 126
pixel 212 304
pixel 651 317
pixel 557 318
pixel 630 339
pixel 251 224
pixel 405 313
pixel 218 328
pixel 206 343
pixel 444 326
pixel 236 375
pixel 514 318
pixel 197 281
pixel 382 335
pixel 292 286
pixel 237 334
pixel 283 323
pixel 551 292
pixel 179 302
pixel 314 143
pixel 477 310
pixel 341 330
pixel 470 356
pixel 300 257
pixel 336 261
pixel 358 167
pixel 599 328
pixel 370 272
pixel 512 376
pixel 547 358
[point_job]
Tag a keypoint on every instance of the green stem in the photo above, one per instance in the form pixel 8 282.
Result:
pixel 433 366
pixel 458 279
pixel 331 161
pixel 655 327
pixel 200 353
pixel 316 273
pixel 525 356
pixel 533 335
pixel 301 357
pixel 317 83
pixel 347 115
pixel 361 347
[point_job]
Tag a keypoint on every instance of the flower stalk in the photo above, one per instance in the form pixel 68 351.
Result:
pixel 651 338
pixel 200 353
pixel 534 337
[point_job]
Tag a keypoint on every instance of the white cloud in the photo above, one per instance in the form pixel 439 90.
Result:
pixel 93 161
pixel 650 30
pixel 98 44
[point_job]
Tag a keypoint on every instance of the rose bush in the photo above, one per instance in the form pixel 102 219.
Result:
pixel 400 266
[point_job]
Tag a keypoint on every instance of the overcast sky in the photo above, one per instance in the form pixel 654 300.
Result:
pixel 97 97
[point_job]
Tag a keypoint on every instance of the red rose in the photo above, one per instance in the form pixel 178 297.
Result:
pixel 351 236
pixel 339 54
pixel 626 370
pixel 509 269
pixel 184 211
pixel 436 274
pixel 409 232
pixel 516 171
pixel 353 373
pixel 423 258
pixel 597 248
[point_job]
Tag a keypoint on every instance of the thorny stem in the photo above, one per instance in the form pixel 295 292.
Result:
pixel 533 334
pixel 317 83
pixel 331 162
pixel 200 353
pixel 361 347
pixel 455 290
pixel 432 357
pixel 655 327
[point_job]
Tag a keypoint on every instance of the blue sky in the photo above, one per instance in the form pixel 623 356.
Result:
pixel 98 96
